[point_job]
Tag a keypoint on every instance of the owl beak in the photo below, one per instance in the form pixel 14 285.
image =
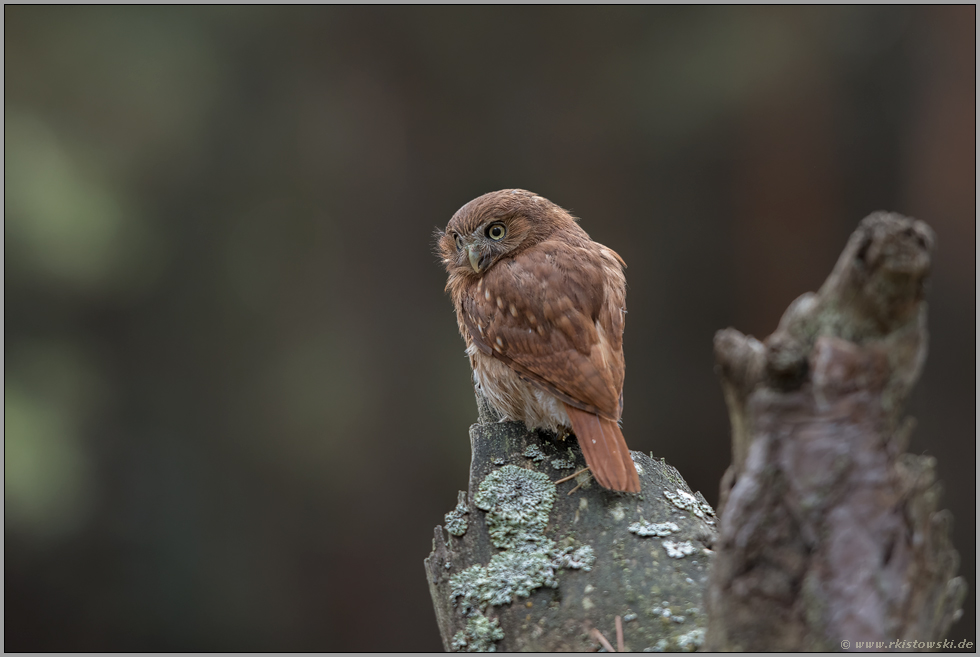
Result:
pixel 474 254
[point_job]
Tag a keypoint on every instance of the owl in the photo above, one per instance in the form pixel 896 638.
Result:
pixel 542 307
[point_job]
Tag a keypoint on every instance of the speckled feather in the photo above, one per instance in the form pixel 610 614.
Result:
pixel 543 321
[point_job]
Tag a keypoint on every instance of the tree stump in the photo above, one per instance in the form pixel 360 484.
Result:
pixel 830 535
pixel 530 564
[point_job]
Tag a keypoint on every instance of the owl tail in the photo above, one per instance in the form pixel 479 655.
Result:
pixel 605 450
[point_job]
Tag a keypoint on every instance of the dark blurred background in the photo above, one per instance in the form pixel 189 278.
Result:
pixel 236 402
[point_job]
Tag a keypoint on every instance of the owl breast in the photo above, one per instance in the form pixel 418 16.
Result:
pixel 513 397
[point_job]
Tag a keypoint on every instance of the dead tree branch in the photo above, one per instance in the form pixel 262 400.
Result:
pixel 829 532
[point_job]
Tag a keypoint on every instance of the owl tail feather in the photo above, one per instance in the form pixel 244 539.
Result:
pixel 605 450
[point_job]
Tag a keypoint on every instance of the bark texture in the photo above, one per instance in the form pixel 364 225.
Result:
pixel 524 565
pixel 829 532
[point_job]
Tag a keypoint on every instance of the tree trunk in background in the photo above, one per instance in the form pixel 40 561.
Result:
pixel 830 534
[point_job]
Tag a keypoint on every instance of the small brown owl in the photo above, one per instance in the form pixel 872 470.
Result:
pixel 541 308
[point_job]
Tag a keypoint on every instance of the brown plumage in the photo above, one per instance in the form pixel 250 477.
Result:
pixel 541 308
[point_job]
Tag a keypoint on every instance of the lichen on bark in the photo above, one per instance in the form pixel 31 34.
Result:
pixel 549 567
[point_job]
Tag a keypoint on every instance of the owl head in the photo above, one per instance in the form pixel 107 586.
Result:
pixel 495 226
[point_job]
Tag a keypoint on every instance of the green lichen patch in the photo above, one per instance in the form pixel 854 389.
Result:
pixel 468 587
pixel 679 550
pixel 534 453
pixel 582 557
pixel 517 502
pixel 456 523
pixel 644 528
pixel 562 463
pixel 691 641
pixel 695 504
pixel 509 574
pixel 479 636
pixel 516 573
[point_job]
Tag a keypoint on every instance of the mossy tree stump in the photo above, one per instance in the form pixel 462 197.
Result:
pixel 527 566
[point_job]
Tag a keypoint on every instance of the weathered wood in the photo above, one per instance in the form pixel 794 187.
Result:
pixel 829 533
pixel 528 566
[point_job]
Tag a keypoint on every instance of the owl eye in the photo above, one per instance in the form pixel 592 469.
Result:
pixel 459 241
pixel 496 232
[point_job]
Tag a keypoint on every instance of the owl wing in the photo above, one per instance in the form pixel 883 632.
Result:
pixel 554 313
